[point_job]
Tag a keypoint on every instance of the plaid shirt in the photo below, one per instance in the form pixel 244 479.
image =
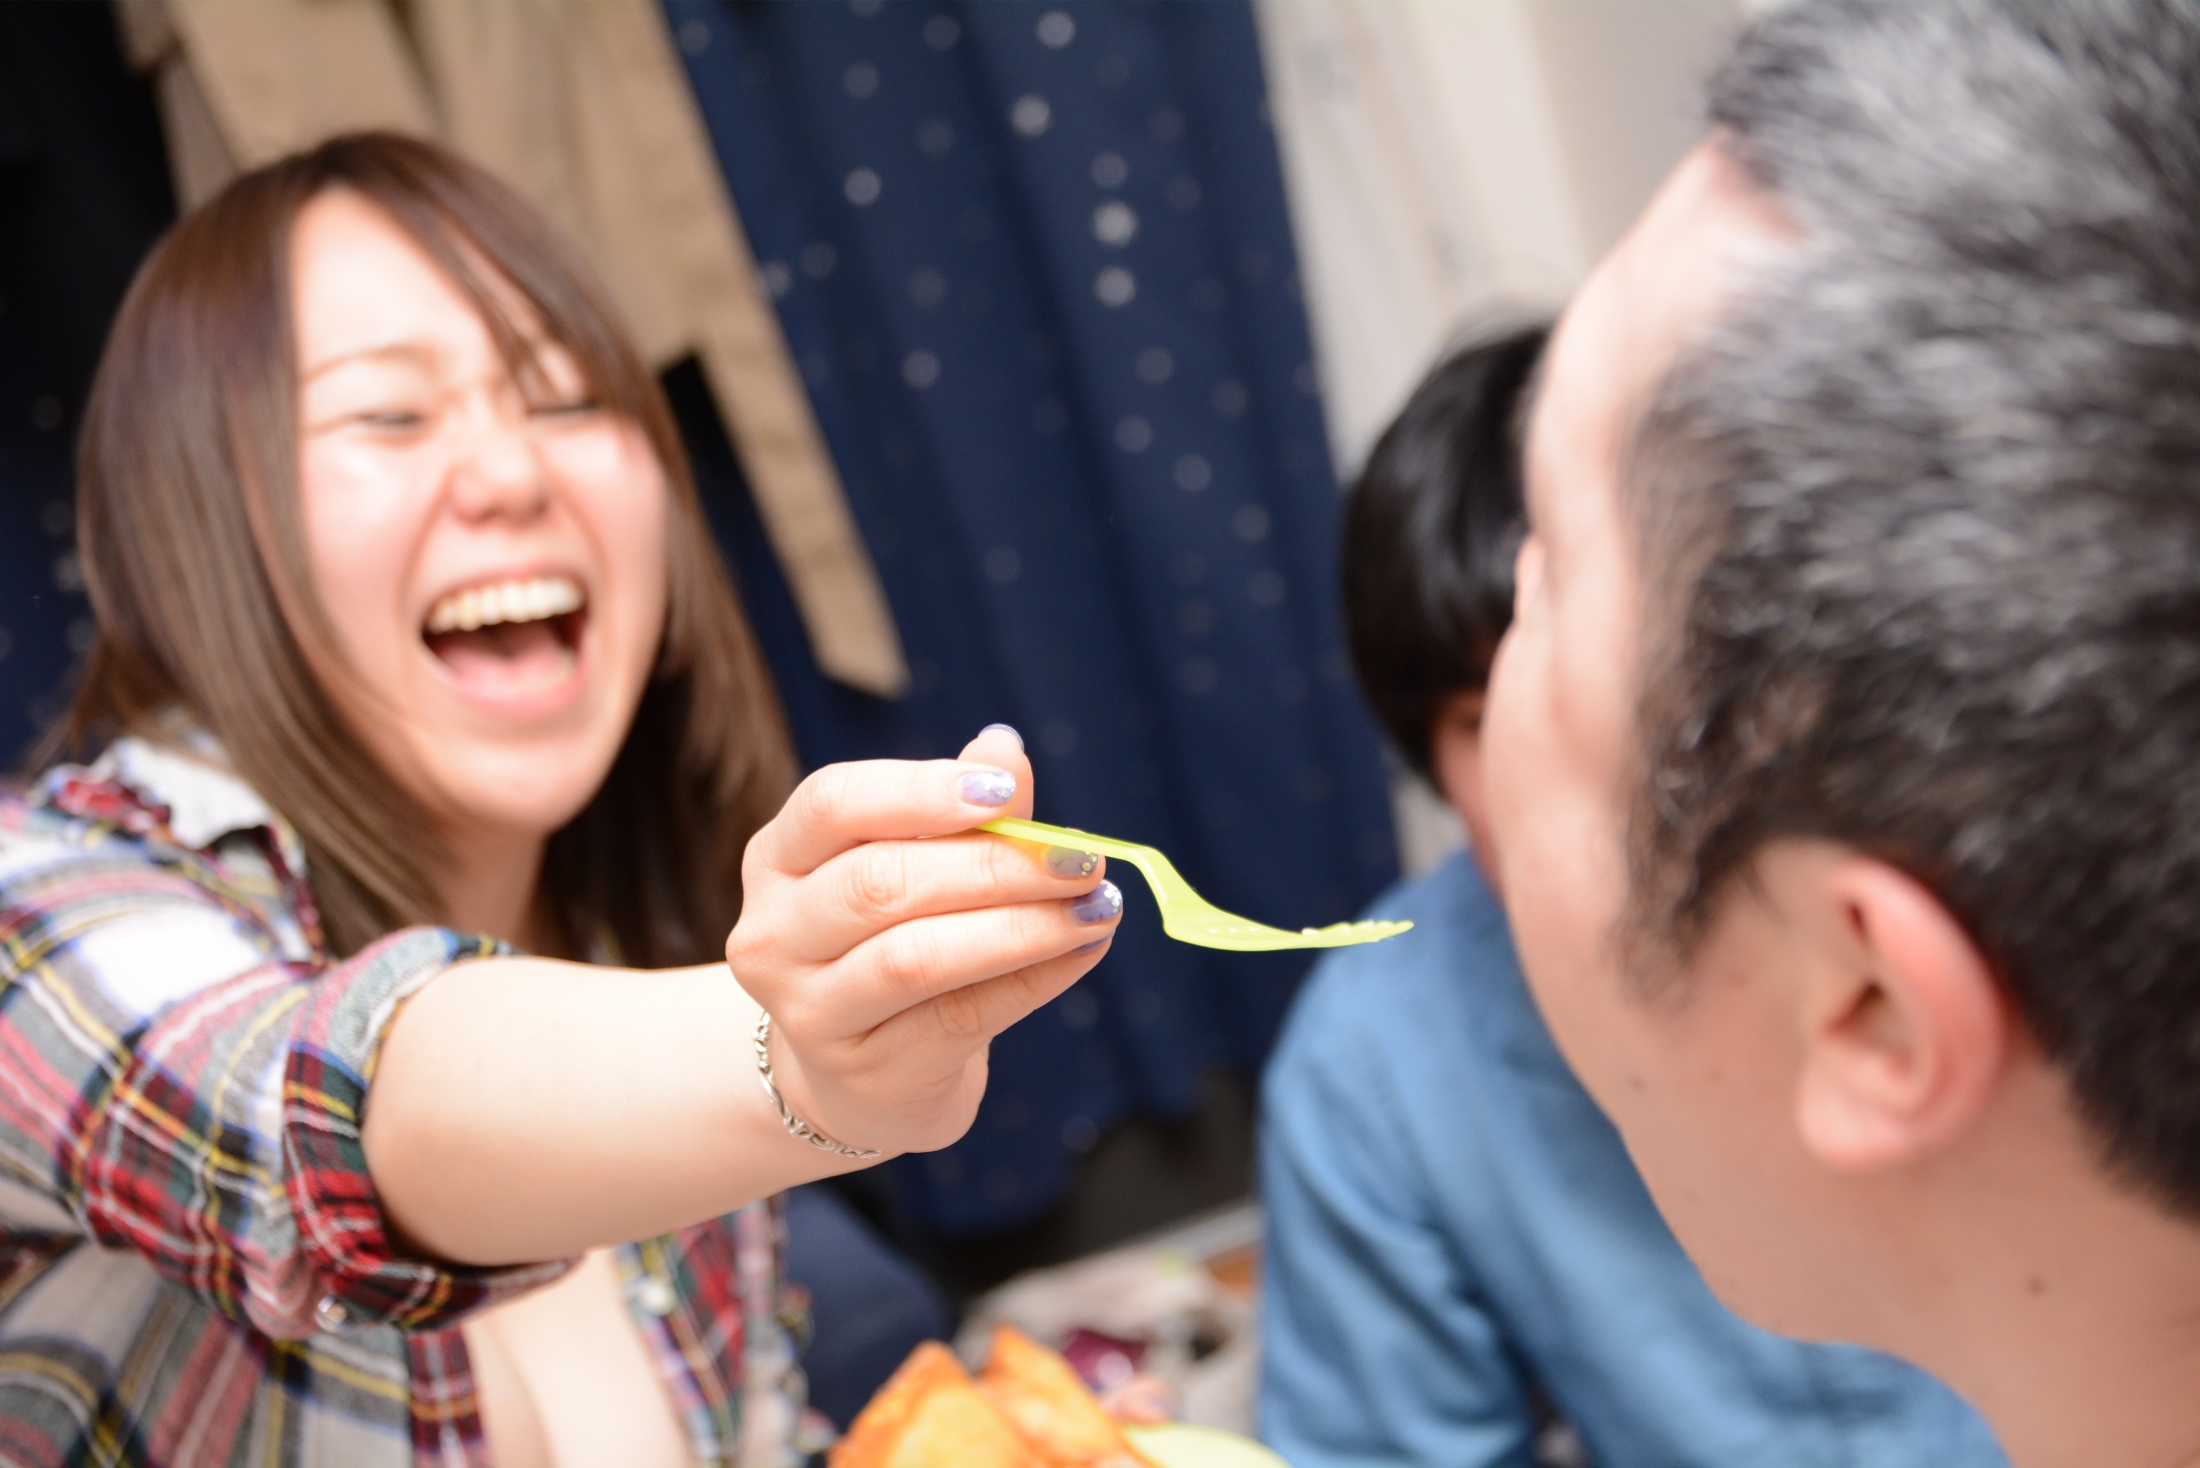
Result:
pixel 193 1265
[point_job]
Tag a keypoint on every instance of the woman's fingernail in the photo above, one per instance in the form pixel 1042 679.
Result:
pixel 1095 943
pixel 988 787
pixel 1008 729
pixel 1065 861
pixel 1100 904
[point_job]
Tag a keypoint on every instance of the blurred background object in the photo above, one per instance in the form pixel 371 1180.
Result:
pixel 1019 347
pixel 1457 162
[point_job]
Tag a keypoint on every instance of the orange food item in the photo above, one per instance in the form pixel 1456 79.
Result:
pixel 1027 1410
pixel 931 1415
pixel 1040 1393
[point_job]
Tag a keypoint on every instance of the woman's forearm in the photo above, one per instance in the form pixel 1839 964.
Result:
pixel 525 1109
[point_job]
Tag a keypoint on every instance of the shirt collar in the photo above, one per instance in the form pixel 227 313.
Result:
pixel 192 781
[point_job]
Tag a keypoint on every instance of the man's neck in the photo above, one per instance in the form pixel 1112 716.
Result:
pixel 2066 1306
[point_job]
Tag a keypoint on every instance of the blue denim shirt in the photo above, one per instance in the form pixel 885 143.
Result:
pixel 1454 1227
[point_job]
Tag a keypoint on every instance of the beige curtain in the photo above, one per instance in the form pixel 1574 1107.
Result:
pixel 585 108
pixel 1453 162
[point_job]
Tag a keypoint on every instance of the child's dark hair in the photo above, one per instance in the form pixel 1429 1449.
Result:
pixel 1430 532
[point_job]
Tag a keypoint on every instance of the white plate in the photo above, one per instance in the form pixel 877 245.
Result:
pixel 1181 1446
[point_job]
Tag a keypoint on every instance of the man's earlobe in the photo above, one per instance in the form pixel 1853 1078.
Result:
pixel 1906 1030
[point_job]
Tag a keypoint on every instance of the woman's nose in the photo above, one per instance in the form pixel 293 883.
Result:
pixel 498 469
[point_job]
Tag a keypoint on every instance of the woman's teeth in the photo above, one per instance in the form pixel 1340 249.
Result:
pixel 531 600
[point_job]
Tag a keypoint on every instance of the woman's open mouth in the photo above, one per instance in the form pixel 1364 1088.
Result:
pixel 509 638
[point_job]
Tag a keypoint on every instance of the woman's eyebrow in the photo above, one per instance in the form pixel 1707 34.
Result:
pixel 418 352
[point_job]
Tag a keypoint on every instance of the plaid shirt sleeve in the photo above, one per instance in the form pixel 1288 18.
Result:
pixel 182 1088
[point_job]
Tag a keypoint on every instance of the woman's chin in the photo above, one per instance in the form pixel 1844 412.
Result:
pixel 515 790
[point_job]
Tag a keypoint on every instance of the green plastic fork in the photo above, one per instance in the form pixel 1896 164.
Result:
pixel 1185 915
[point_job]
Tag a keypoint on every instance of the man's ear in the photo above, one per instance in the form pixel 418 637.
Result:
pixel 1907 1032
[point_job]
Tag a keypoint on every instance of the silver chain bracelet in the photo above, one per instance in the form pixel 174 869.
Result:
pixel 796 1126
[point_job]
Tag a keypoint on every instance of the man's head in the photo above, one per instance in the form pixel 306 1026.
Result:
pixel 1843 751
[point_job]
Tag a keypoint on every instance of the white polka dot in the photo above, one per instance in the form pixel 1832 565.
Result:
pixel 1182 192
pixel 819 259
pixel 936 139
pixel 866 8
pixel 695 36
pixel 1230 398
pixel 1113 71
pixel 1056 30
pixel 928 287
pixel 83 632
pixel 1165 124
pixel 920 369
pixel 1115 286
pixel 1133 435
pixel 1265 589
pixel 1194 473
pixel 1031 116
pixel 862 186
pixel 1155 366
pixel 941 32
pixel 859 80
pixel 68 572
pixel 1250 524
pixel 1114 223
pixel 1110 171
pixel 776 277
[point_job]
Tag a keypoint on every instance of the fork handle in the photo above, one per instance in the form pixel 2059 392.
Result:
pixel 1024 830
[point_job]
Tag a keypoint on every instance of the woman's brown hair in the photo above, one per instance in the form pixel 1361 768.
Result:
pixel 191 535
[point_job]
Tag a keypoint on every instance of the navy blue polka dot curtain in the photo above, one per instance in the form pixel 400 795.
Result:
pixel 83 192
pixel 1036 266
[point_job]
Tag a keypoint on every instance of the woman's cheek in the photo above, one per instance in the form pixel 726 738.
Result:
pixel 629 505
pixel 359 536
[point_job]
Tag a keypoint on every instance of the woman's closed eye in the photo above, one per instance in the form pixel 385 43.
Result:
pixel 375 418
pixel 393 419
pixel 579 405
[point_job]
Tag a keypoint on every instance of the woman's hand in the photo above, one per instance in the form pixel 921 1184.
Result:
pixel 890 942
pixel 527 1109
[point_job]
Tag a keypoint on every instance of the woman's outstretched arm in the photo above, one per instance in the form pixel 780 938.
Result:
pixel 526 1109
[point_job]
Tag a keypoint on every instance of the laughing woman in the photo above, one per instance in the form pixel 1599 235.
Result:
pixel 414 659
